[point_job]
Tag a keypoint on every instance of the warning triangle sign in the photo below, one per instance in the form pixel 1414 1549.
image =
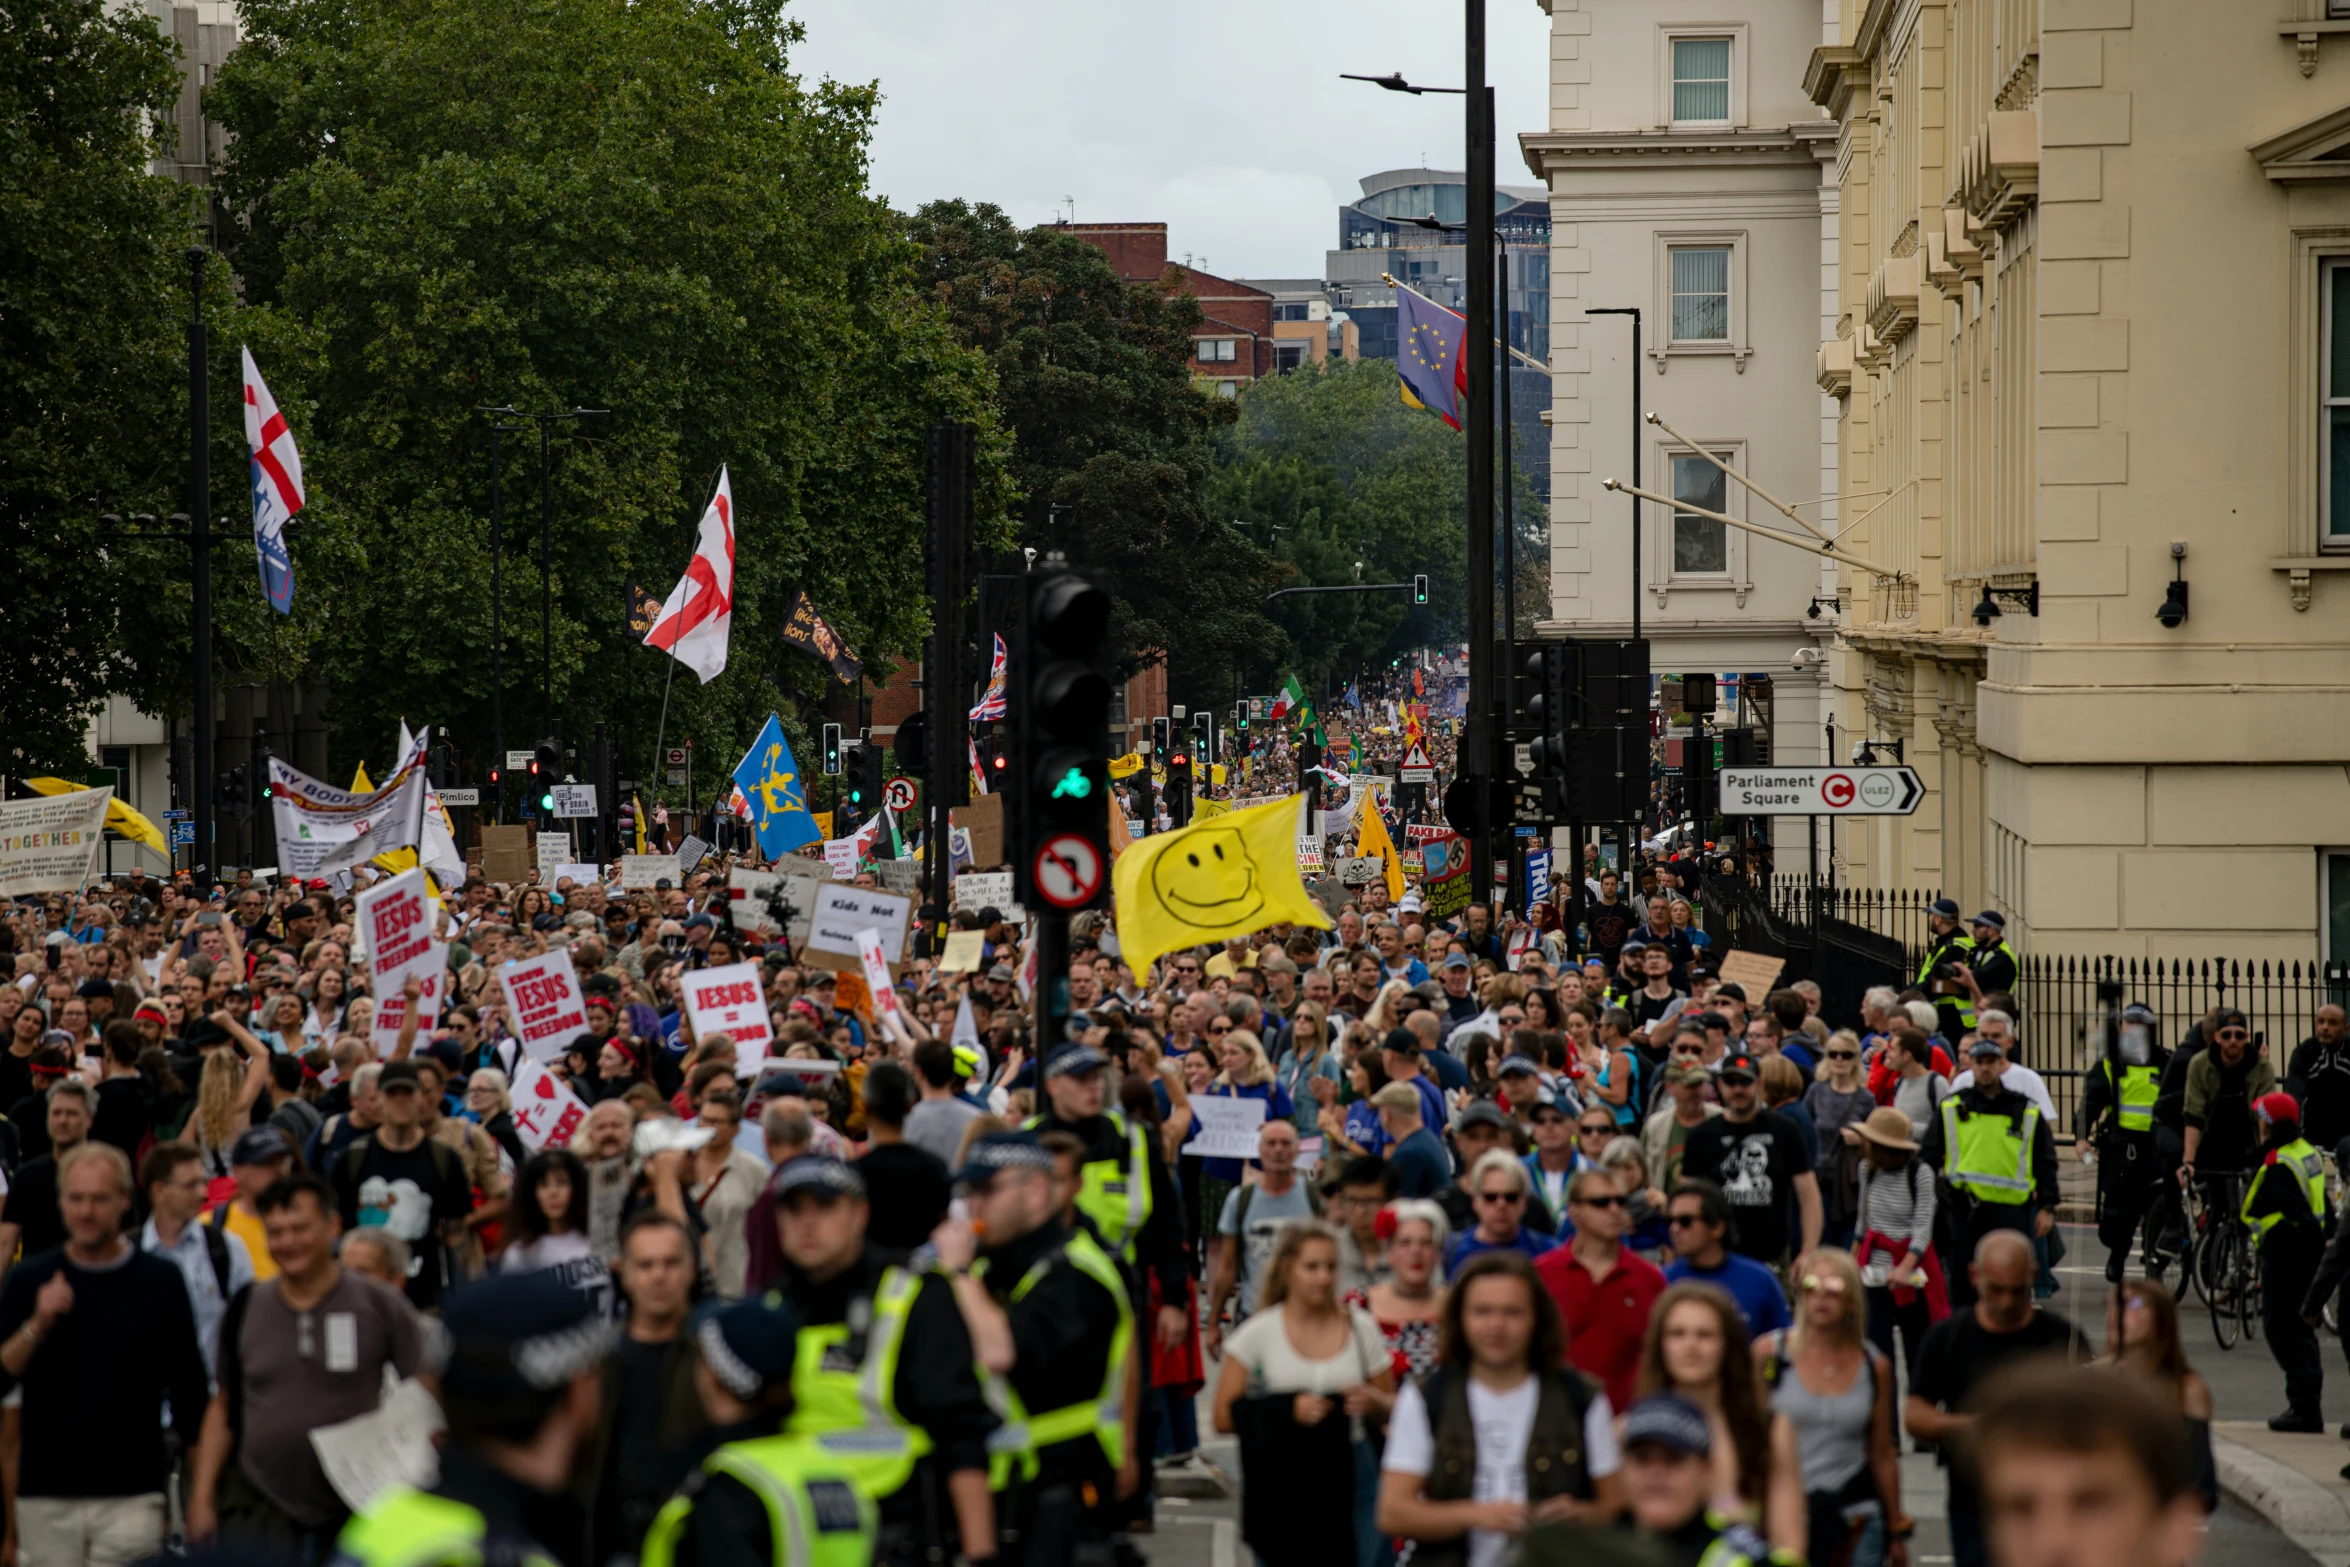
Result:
pixel 1416 766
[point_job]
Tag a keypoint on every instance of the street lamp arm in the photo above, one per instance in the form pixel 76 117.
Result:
pixel 1828 551
pixel 1778 505
pixel 1348 587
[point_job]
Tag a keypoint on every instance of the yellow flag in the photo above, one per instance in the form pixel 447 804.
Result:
pixel 1371 838
pixel 1120 838
pixel 119 817
pixel 640 823
pixel 1222 877
pixel 1126 766
pixel 1203 808
pixel 1216 774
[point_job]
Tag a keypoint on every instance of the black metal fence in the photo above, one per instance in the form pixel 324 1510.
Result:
pixel 1849 940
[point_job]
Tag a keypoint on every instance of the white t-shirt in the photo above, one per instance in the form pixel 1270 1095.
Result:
pixel 1274 1365
pixel 1504 1423
pixel 2025 1081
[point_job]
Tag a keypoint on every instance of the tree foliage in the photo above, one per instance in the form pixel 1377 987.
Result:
pixel 440 206
pixel 91 292
pixel 1110 438
pixel 1329 464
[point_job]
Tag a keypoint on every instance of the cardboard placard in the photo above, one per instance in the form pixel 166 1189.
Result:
pixel 544 1000
pixel 690 854
pixel 1225 1128
pixel 984 890
pixel 882 993
pixel 850 995
pixel 963 951
pixel 1309 856
pixel 985 819
pixel 1752 972
pixel 843 912
pixel 840 857
pixel 553 849
pixel 395 921
pixel 732 1001
pixel 581 873
pixel 573 802
pixel 546 1111
pixel 647 871
pixel 899 875
pixel 1360 870
pixel 506 853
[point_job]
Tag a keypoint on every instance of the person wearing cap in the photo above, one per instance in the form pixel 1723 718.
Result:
pixel 1124 1188
pixel 2285 1207
pixel 259 1158
pixel 519 1395
pixel 1757 1157
pixel 2116 1126
pixel 2223 1082
pixel 762 1498
pixel 398 1176
pixel 1993 966
pixel 1996 1155
pixel 1667 1447
pixel 1057 1317
pixel 1943 973
pixel 885 1379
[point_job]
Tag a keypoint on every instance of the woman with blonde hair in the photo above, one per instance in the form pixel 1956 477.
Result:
pixel 1299 1376
pixel 1245 1074
pixel 1697 1349
pixel 225 1095
pixel 1309 1071
pixel 1380 1019
pixel 488 1103
pixel 1837 1390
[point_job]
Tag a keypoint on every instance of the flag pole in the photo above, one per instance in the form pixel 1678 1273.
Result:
pixel 661 734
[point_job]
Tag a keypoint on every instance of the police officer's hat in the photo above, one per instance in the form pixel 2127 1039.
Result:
pixel 815 1172
pixel 749 1345
pixel 1668 1421
pixel 1946 907
pixel 1071 1060
pixel 1993 918
pixel 991 1155
pixel 522 1332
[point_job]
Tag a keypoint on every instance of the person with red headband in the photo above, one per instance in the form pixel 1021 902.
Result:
pixel 2285 1205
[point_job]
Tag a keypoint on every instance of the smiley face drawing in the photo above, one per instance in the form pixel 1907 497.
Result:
pixel 1210 882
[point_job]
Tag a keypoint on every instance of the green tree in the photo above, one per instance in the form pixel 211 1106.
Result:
pixel 440 205
pixel 1110 438
pixel 91 289
pixel 1332 464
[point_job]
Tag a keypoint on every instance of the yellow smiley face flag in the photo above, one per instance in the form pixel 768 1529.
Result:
pixel 1225 876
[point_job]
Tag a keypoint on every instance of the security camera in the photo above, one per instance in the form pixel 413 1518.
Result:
pixel 1807 658
pixel 1029 553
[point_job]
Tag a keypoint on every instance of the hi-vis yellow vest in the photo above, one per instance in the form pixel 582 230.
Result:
pixel 1022 1435
pixel 1989 1157
pixel 2300 1163
pixel 817 1514
pixel 848 1408
pixel 405 1528
pixel 2134 1098
pixel 1115 1195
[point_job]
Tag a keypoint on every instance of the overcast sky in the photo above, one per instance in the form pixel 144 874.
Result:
pixel 1223 118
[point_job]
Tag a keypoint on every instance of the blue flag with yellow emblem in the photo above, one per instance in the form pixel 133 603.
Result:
pixel 769 777
pixel 1428 354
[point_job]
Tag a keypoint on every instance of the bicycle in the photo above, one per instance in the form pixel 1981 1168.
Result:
pixel 2225 1265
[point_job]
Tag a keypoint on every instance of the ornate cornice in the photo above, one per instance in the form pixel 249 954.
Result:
pixel 1548 150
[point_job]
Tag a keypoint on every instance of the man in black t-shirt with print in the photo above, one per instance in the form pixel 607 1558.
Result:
pixel 403 1180
pixel 1962 1352
pixel 1757 1159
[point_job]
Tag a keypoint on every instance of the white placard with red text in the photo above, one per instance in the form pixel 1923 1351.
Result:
pixel 546 1111
pixel 732 1001
pixel 885 995
pixel 396 920
pixel 544 997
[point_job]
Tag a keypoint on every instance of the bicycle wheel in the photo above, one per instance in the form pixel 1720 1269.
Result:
pixel 2220 1280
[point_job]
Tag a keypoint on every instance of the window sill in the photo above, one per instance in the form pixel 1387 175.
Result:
pixel 1700 350
pixel 2297 570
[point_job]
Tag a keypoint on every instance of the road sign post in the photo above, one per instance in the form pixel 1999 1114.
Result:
pixel 1821 791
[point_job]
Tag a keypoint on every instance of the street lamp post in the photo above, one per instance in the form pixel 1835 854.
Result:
pixel 200 812
pixel 546 552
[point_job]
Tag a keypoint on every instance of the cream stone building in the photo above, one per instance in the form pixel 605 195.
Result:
pixel 1690 178
pixel 2092 336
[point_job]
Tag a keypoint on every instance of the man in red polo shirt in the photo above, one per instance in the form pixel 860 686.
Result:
pixel 1604 1293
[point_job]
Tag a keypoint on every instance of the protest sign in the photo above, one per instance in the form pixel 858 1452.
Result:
pixel 395 920
pixel 51 844
pixel 581 873
pixel 840 857
pixel 732 1001
pixel 321 829
pixel 1444 878
pixel 546 1111
pixel 1425 832
pixel 390 1446
pixel 1360 870
pixel 544 1003
pixel 1537 876
pixel 554 848
pixel 985 890
pixel 1225 1128
pixel 850 995
pixel 885 995
pixel 984 817
pixel 690 854
pixel 573 802
pixel 963 951
pixel 646 871
pixel 506 853
pixel 755 896
pixel 843 911
pixel 899 875
pixel 1752 972
pixel 1309 856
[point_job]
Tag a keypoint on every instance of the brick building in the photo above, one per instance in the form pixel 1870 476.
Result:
pixel 1235 340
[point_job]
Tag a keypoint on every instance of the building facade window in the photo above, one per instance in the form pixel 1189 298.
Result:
pixel 1227 388
pixel 1701 293
pixel 1217 350
pixel 1701 546
pixel 2335 391
pixel 1292 310
pixel 1288 356
pixel 1701 81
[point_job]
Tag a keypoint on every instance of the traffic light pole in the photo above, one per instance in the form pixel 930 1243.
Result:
pixel 200 805
pixel 1479 755
pixel 943 683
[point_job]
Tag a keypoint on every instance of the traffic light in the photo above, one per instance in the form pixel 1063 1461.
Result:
pixel 832 750
pixel 1203 737
pixel 1159 729
pixel 870 778
pixel 1420 588
pixel 236 791
pixel 1179 787
pixel 545 762
pixel 1058 791
pixel 263 789
pixel 912 745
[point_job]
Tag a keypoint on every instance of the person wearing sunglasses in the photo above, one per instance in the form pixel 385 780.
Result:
pixel 1838 1392
pixel 1499 1189
pixel 2223 1083
pixel 1604 1292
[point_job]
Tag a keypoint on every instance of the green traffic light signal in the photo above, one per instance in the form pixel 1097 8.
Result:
pixel 1074 785
pixel 546 802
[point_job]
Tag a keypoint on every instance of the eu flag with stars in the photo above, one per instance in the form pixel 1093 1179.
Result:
pixel 1428 352
pixel 769 777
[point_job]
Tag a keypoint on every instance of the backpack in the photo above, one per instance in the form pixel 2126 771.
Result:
pixel 216 1246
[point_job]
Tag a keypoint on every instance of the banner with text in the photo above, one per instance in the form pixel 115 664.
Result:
pixel 732 1001
pixel 544 1000
pixel 396 920
pixel 51 844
